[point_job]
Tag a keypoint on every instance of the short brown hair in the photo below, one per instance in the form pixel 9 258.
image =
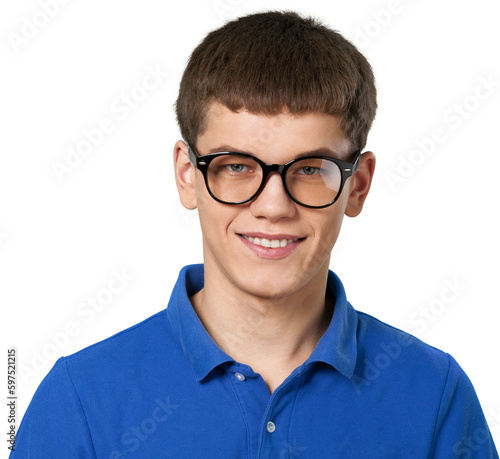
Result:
pixel 275 61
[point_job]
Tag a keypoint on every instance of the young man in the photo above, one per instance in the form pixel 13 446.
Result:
pixel 258 353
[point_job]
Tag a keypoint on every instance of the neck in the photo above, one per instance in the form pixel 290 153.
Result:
pixel 271 335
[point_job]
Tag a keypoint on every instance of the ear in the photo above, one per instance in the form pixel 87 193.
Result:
pixel 184 176
pixel 360 184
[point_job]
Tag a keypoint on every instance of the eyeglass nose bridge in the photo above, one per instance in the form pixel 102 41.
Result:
pixel 267 170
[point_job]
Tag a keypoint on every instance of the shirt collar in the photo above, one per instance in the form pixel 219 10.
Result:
pixel 337 347
pixel 198 346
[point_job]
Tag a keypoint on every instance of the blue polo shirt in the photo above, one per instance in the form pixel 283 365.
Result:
pixel 164 389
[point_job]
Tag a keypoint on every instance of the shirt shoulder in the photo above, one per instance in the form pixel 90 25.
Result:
pixel 125 343
pixel 375 337
pixel 102 381
pixel 42 423
pixel 122 356
pixel 425 384
pixel 391 359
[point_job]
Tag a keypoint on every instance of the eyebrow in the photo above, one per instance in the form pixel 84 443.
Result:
pixel 322 151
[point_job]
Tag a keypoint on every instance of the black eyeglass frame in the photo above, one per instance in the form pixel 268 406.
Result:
pixel 347 169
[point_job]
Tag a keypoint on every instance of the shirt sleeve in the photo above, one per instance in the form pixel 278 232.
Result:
pixel 54 424
pixel 461 428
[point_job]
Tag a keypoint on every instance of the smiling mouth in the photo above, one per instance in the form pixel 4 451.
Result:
pixel 269 243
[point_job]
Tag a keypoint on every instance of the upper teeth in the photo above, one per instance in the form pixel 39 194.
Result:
pixel 269 243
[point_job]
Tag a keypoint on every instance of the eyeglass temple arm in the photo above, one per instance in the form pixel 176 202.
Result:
pixel 356 161
pixel 192 154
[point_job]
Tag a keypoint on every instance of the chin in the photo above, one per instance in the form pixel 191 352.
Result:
pixel 269 286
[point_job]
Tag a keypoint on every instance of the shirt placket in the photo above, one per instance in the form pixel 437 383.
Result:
pixel 267 416
pixel 276 436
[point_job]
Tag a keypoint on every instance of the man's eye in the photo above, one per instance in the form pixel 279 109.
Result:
pixel 308 170
pixel 237 167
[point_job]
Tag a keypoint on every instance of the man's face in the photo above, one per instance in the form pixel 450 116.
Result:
pixel 231 256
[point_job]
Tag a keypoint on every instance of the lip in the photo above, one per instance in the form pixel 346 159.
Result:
pixel 269 253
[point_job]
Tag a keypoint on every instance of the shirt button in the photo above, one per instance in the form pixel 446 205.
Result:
pixel 271 427
pixel 239 377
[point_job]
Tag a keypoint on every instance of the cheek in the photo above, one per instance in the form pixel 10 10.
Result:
pixel 328 220
pixel 336 223
pixel 213 215
pixel 327 229
pixel 206 210
pixel 215 218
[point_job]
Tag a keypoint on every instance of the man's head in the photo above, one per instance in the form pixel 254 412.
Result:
pixel 272 89
pixel 272 62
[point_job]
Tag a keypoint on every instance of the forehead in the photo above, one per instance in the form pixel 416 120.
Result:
pixel 284 134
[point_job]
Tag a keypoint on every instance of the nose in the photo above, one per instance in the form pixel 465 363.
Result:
pixel 273 201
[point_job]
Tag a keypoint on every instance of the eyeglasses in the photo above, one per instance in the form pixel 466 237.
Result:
pixel 237 178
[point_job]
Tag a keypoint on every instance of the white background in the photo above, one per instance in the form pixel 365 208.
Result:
pixel 118 209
